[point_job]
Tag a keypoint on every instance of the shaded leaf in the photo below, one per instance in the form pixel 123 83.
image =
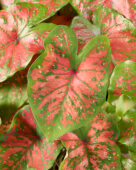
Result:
pixel 123 81
pixel 66 90
pixel 93 146
pixel 127 126
pixel 121 32
pixel 24 147
pixel 13 95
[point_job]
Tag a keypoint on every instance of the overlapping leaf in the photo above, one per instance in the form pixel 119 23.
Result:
pixel 64 89
pixel 18 42
pixel 52 5
pixel 123 81
pixel 126 8
pixel 84 31
pixel 121 32
pixel 13 95
pixel 93 146
pixel 24 147
pixel 86 7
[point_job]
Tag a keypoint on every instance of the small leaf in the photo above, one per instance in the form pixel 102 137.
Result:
pixel 24 148
pixel 123 81
pixel 66 90
pixel 92 147
pixel 127 126
pixel 121 32
pixel 84 31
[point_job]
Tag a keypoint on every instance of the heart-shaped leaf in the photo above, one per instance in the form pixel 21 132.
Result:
pixel 121 32
pixel 24 147
pixel 123 81
pixel 84 31
pixel 66 90
pixel 86 7
pixel 18 41
pixel 93 146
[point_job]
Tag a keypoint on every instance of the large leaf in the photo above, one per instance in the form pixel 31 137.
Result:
pixel 126 8
pixel 23 147
pixel 84 31
pixel 93 146
pixel 64 89
pixel 18 41
pixel 123 81
pixel 121 32
pixel 86 7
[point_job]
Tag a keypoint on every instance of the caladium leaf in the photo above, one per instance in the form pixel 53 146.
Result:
pixel 121 32
pixel 84 31
pixel 18 41
pixel 93 147
pixel 123 81
pixel 66 90
pixel 13 95
pixel 126 8
pixel 24 147
pixel 51 5
pixel 127 126
pixel 86 7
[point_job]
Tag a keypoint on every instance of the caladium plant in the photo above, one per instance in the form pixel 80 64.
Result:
pixel 71 87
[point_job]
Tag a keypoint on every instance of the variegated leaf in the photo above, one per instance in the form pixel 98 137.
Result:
pixel 65 89
pixel 123 81
pixel 18 41
pixel 87 7
pixel 84 31
pixel 51 5
pixel 24 147
pixel 121 32
pixel 93 146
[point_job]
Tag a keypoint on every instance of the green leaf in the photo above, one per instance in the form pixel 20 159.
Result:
pixel 24 146
pixel 123 81
pixel 92 146
pixel 65 89
pixel 127 126
pixel 128 164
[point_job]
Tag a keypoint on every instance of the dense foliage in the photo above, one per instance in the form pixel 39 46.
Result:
pixel 67 85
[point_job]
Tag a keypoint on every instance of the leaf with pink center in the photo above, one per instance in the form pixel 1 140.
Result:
pixel 18 40
pixel 24 147
pixel 87 7
pixel 123 81
pixel 93 146
pixel 65 89
pixel 84 31
pixel 121 32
